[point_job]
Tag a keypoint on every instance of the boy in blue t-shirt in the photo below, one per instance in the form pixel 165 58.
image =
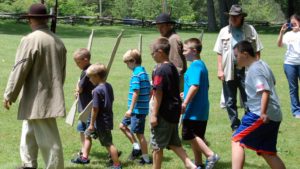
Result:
pixel 84 94
pixel 195 106
pixel 102 114
pixel 138 106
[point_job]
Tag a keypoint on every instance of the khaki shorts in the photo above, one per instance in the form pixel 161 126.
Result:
pixel 164 134
pixel 105 138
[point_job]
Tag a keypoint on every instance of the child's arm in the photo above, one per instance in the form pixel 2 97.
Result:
pixel 133 102
pixel 78 89
pixel 264 105
pixel 94 114
pixel 189 97
pixel 157 97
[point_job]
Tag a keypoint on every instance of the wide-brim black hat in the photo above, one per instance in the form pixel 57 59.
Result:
pixel 163 18
pixel 236 10
pixel 37 11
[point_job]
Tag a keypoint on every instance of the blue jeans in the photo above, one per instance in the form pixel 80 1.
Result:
pixel 292 73
pixel 230 94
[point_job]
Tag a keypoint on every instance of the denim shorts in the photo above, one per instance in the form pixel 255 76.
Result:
pixel 82 126
pixel 136 123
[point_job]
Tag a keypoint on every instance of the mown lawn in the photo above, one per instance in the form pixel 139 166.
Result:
pixel 218 130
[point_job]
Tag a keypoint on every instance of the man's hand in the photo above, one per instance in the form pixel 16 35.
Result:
pixel 128 113
pixel 153 121
pixel 264 118
pixel 221 75
pixel 6 104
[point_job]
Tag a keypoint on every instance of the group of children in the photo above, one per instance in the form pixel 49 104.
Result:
pixel 168 104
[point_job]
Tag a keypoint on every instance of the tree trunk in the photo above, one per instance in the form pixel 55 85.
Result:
pixel 224 6
pixel 212 23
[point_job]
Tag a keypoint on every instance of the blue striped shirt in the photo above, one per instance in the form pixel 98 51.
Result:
pixel 139 81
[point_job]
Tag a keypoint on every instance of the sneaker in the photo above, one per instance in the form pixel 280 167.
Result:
pixel 116 167
pixel 135 154
pixel 201 166
pixel 110 161
pixel 143 162
pixel 80 160
pixel 211 161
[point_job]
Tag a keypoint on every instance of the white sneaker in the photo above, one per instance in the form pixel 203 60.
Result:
pixel 211 161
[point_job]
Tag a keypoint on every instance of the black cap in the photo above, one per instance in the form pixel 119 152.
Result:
pixel 164 18
pixel 37 11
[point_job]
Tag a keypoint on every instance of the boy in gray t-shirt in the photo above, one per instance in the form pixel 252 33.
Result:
pixel 259 128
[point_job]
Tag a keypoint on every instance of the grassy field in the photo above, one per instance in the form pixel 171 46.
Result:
pixel 218 130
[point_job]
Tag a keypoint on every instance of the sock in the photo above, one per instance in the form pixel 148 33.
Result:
pixel 146 157
pixel 136 146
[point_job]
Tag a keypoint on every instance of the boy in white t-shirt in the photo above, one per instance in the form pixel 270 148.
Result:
pixel 259 128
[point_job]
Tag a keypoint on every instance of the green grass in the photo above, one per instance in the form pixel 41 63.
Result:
pixel 218 130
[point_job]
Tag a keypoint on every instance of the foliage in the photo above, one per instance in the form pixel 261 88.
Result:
pixel 268 10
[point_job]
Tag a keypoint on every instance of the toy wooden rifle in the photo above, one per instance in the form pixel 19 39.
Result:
pixel 71 115
pixel 83 116
pixel 54 19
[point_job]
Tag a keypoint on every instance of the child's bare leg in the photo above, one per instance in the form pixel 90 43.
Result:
pixel 112 150
pixel 200 145
pixel 197 156
pixel 143 143
pixel 238 155
pixel 87 147
pixel 82 138
pixel 274 161
pixel 157 158
pixel 183 156
pixel 127 133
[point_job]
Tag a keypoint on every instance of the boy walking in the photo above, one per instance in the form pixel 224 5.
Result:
pixel 83 92
pixel 102 114
pixel 259 128
pixel 195 107
pixel 166 106
pixel 138 106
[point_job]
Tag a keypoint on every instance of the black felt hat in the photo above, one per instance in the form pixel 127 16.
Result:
pixel 164 18
pixel 37 11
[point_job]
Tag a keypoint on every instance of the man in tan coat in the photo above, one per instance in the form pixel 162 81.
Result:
pixel 39 69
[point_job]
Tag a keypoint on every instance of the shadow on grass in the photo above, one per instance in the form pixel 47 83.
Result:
pixel 227 165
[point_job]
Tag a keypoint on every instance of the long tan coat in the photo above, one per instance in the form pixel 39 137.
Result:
pixel 40 68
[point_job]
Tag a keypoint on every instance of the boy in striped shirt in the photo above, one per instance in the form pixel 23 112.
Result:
pixel 138 106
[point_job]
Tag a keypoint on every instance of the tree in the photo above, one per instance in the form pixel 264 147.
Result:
pixel 212 23
pixel 224 6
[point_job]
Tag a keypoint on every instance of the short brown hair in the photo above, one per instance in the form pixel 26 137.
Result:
pixel 194 43
pixel 133 54
pixel 98 69
pixel 161 43
pixel 82 53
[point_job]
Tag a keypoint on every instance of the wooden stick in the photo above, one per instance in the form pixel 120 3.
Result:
pixel 72 113
pixel 83 116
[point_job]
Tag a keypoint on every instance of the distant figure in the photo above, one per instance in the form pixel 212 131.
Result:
pixel 102 115
pixel 260 124
pixel 166 28
pixel 291 40
pixel 195 106
pixel 166 106
pixel 40 69
pixel 138 106
pixel 83 92
pixel 231 75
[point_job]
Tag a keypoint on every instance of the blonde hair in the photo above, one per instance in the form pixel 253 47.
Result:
pixel 82 53
pixel 98 69
pixel 133 54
